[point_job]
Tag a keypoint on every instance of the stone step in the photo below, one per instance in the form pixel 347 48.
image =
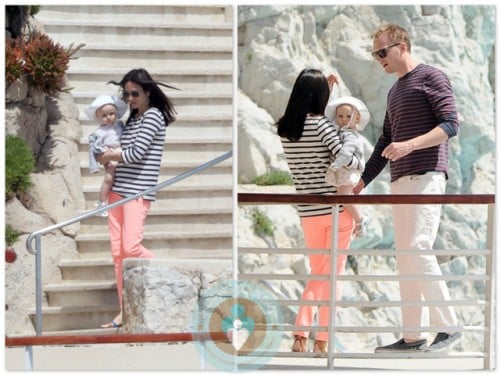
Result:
pixel 153 38
pixel 192 57
pixel 160 231
pixel 96 82
pixel 204 92
pixel 71 318
pixel 87 269
pixel 187 127
pixel 178 16
pixel 184 106
pixel 102 292
pixel 201 181
pixel 170 169
pixel 169 222
pixel 181 195
pixel 181 141
pixel 175 154
pixel 158 216
pixel 92 269
pixel 182 131
pixel 163 243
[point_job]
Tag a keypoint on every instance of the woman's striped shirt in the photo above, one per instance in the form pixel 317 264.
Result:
pixel 142 144
pixel 417 103
pixel 309 157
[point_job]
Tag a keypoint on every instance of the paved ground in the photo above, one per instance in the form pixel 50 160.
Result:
pixel 186 357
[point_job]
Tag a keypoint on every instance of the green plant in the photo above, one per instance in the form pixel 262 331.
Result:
pixel 273 178
pixel 11 235
pixel 34 9
pixel 19 163
pixel 262 225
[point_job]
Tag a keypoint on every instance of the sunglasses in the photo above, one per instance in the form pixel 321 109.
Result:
pixel 382 53
pixel 134 94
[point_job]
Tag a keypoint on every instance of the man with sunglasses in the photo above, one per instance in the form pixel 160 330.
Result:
pixel 420 117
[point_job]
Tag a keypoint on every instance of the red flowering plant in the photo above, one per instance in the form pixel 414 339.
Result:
pixel 14 61
pixel 44 61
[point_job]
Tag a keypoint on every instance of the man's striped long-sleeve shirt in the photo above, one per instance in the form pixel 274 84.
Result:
pixel 417 103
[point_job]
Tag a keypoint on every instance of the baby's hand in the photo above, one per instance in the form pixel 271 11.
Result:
pixel 339 162
pixel 332 79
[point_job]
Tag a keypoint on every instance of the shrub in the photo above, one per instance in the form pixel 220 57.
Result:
pixel 19 163
pixel 11 235
pixel 273 178
pixel 262 225
pixel 34 9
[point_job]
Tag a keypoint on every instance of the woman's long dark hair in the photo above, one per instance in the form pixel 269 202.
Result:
pixel 309 95
pixel 156 96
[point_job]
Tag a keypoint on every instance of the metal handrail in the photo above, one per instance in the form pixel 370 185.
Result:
pixel 37 234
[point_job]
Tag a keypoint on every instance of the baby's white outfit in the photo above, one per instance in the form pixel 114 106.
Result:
pixel 106 136
pixel 339 173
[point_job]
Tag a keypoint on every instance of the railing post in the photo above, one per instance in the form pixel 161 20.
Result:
pixel 202 356
pixel 489 335
pixel 28 357
pixel 38 287
pixel 333 285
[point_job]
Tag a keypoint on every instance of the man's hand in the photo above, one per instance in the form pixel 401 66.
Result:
pixel 397 150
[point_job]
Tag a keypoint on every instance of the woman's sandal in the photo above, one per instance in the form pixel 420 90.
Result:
pixel 300 344
pixel 112 324
pixel 319 346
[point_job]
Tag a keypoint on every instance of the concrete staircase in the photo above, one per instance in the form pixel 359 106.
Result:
pixel 189 47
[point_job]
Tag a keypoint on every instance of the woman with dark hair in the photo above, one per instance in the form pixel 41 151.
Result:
pixel 309 141
pixel 139 158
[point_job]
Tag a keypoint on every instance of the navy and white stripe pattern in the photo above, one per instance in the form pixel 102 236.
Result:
pixel 417 103
pixel 309 157
pixel 142 144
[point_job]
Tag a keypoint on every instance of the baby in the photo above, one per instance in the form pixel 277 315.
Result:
pixel 107 110
pixel 350 115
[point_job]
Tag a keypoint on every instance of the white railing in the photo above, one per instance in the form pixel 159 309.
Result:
pixel 335 200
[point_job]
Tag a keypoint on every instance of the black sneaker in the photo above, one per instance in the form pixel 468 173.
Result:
pixel 402 346
pixel 443 339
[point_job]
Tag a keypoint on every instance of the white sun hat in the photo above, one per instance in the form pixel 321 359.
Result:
pixel 331 109
pixel 101 100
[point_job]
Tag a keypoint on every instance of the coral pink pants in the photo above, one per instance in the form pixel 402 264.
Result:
pixel 126 230
pixel 318 235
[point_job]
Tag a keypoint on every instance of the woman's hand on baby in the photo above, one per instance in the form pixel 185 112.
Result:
pixel 104 157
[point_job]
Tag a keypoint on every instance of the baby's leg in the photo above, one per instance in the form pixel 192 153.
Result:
pixel 351 208
pixel 109 175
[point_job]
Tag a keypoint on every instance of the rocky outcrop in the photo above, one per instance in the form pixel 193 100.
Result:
pixel 160 297
pixel 275 43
